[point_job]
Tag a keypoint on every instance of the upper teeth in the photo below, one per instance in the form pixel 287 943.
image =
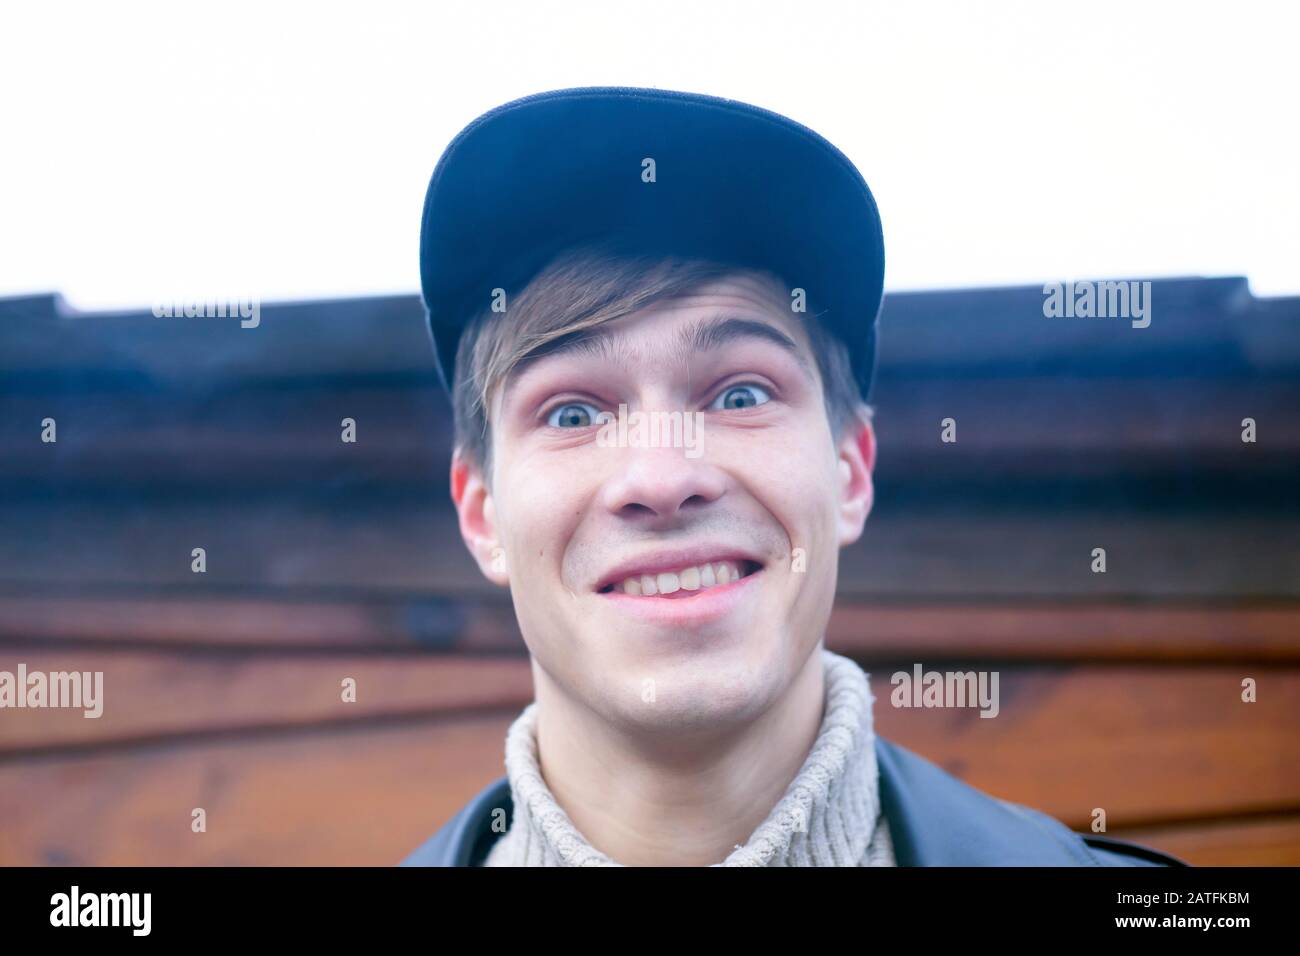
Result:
pixel 685 579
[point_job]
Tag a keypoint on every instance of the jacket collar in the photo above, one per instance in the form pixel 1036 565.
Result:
pixel 937 820
pixel 934 819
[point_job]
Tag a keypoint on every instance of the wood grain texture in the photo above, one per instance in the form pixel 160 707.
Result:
pixel 1056 631
pixel 1147 746
pixel 172 698
pixel 365 797
pixel 937 548
pixel 329 560
pixel 1266 841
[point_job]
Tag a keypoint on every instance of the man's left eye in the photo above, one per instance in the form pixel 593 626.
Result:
pixel 740 396
pixel 573 415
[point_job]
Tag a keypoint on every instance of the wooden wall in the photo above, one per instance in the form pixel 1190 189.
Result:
pixel 328 560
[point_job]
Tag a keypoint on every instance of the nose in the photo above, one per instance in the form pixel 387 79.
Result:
pixel 660 487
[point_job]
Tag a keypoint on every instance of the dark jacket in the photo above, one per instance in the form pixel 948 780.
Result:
pixel 934 820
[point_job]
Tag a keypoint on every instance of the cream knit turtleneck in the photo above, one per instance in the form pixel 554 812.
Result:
pixel 835 792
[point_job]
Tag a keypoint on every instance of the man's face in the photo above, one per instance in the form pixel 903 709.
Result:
pixel 742 530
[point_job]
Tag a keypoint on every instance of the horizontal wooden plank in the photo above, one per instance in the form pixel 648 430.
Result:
pixel 290 437
pixel 1266 841
pixel 146 697
pixel 1147 745
pixel 871 631
pixel 1197 322
pixel 1084 425
pixel 1210 323
pixel 369 335
pixel 364 797
pixel 1068 631
pixel 240 620
pixel 368 796
pixel 926 549
pixel 951 552
pixel 233 436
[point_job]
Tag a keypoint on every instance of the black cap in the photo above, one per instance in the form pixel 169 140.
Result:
pixel 732 182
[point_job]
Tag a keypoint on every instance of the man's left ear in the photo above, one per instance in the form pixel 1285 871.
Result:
pixel 857 460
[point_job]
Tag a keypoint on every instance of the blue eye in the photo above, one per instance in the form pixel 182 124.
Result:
pixel 573 415
pixel 740 396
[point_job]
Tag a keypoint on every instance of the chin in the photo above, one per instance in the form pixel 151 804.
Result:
pixel 726 683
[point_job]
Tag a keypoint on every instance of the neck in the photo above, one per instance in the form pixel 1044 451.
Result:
pixel 675 798
pixel 796 786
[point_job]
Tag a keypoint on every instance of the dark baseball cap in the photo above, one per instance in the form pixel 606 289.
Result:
pixel 731 182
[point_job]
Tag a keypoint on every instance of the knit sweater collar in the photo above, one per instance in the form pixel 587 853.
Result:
pixel 829 815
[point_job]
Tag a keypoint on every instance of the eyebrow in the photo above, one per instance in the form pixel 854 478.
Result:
pixel 704 336
pixel 718 331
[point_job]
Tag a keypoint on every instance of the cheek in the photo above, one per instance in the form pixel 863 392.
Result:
pixel 810 517
pixel 537 510
pixel 794 476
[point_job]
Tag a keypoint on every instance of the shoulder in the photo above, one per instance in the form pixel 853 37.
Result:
pixel 465 839
pixel 937 820
pixel 934 819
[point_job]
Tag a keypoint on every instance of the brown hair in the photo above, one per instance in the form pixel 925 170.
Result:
pixel 585 287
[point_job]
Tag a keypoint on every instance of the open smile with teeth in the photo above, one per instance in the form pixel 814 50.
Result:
pixel 683 582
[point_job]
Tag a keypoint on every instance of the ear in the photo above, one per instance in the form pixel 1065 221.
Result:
pixel 857 460
pixel 477 514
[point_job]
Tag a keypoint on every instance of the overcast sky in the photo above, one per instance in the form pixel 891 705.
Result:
pixel 283 151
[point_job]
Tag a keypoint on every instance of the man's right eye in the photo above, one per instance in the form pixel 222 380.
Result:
pixel 573 415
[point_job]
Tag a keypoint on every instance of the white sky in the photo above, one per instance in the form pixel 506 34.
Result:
pixel 279 150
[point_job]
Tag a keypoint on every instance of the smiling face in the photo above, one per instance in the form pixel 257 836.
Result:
pixel 659 586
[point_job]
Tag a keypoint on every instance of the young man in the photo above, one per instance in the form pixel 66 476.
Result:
pixel 656 313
